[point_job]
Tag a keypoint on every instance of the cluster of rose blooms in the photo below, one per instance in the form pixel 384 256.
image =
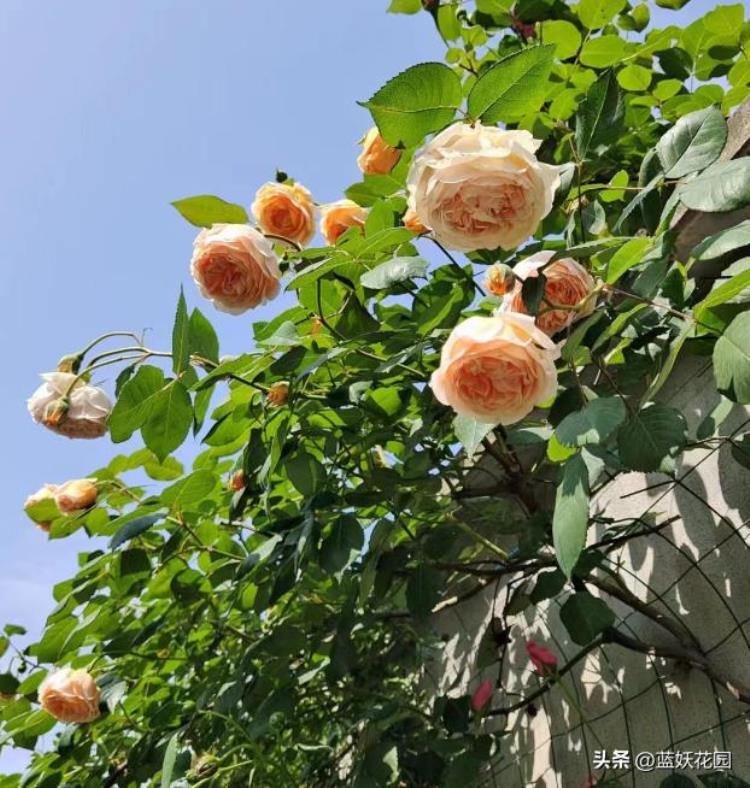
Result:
pixel 472 187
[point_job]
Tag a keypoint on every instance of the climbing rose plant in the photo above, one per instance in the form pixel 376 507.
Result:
pixel 503 281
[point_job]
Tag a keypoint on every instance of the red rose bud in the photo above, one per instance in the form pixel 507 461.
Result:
pixel 482 696
pixel 543 660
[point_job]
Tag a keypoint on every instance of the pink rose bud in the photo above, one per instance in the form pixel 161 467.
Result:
pixel 337 217
pixel 377 157
pixel 70 696
pixel 78 412
pixel 496 369
pixel 76 495
pixel 234 266
pixel 482 696
pixel 568 284
pixel 543 660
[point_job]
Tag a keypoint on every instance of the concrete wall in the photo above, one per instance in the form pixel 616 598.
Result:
pixel 697 571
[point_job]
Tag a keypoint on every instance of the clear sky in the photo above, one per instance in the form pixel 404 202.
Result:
pixel 110 111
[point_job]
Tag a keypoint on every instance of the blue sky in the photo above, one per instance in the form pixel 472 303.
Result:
pixel 110 111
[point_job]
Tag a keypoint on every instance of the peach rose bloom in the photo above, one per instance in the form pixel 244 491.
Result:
pixel 278 393
pixel 285 210
pixel 499 279
pixel 496 369
pixel 82 413
pixel 568 284
pixel 377 157
pixel 411 222
pixel 235 267
pixel 70 696
pixel 337 217
pixel 481 187
pixel 75 495
pixel 45 493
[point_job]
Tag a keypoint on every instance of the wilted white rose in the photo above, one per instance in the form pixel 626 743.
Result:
pixel 77 412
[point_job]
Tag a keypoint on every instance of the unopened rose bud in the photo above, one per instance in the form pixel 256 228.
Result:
pixel 377 157
pixel 499 279
pixel 543 660
pixel 70 363
pixel 46 493
pixel 70 696
pixel 237 482
pixel 482 696
pixel 277 395
pixel 76 495
pixel 316 326
pixel 69 406
pixel 413 223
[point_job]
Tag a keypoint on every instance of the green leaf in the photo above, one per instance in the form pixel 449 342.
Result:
pixel 470 432
pixel 181 337
pixel 135 402
pixel 305 473
pixel 512 87
pixel 170 757
pixel 693 143
pixel 405 7
pixel 598 13
pixel 393 271
pixel 204 210
pixel 600 116
pixel 723 187
pixel 169 420
pixel 732 360
pixel 564 35
pixel 571 516
pixel 649 436
pixel 134 528
pixel 423 590
pixel 723 242
pixel 593 424
pixel 202 337
pixel 420 100
pixel 626 257
pixel 532 292
pixel 724 292
pixel 603 51
pixel 190 490
pixel 635 78
pixel 343 543
pixel 585 617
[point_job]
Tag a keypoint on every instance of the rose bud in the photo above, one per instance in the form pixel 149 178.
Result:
pixel 481 187
pixel 377 156
pixel 234 266
pixel 411 222
pixel 337 217
pixel 46 493
pixel 482 696
pixel 496 369
pixel 567 283
pixel 543 660
pixel 80 412
pixel 237 482
pixel 277 395
pixel 316 326
pixel 285 210
pixel 75 495
pixel 499 279
pixel 70 363
pixel 70 696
